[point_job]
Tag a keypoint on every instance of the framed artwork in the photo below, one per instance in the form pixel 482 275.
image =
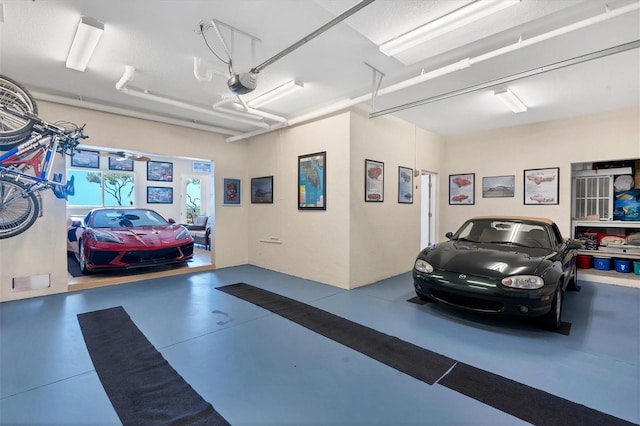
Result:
pixel 373 181
pixel 312 181
pixel 201 166
pixel 232 194
pixel 262 190
pixel 119 163
pixel 405 185
pixel 542 186
pixel 160 171
pixel 498 186
pixel 88 159
pixel 159 195
pixel 462 188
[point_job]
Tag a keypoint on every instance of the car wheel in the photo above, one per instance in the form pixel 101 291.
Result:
pixel 82 259
pixel 551 320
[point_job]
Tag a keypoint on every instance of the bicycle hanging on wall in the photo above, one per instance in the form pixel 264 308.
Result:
pixel 26 168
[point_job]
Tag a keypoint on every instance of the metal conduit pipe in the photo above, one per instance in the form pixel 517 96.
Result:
pixel 184 105
pixel 129 113
pixel 465 63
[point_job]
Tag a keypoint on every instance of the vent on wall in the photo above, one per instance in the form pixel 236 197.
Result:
pixel 33 282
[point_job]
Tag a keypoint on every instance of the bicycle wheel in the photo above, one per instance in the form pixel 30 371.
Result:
pixel 13 129
pixel 18 208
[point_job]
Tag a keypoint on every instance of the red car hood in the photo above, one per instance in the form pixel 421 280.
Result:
pixel 147 236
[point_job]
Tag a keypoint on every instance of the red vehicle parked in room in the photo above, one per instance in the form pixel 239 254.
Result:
pixel 115 238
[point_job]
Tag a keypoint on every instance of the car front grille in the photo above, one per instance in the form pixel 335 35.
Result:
pixel 151 256
pixel 102 257
pixel 467 302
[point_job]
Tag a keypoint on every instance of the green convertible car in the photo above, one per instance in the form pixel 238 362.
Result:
pixel 501 265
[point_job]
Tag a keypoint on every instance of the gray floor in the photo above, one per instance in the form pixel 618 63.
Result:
pixel 257 368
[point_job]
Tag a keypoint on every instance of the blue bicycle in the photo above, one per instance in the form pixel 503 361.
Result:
pixel 26 168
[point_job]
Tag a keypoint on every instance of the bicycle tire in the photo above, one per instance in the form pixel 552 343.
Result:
pixel 18 214
pixel 14 130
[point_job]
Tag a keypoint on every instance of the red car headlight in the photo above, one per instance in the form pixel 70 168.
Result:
pixel 105 237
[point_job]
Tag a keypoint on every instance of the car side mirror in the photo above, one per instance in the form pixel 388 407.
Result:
pixel 449 234
pixel 171 221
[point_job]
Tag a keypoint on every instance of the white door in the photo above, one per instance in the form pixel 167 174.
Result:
pixel 428 208
pixel 196 199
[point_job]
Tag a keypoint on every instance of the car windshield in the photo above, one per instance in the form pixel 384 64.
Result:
pixel 126 218
pixel 500 231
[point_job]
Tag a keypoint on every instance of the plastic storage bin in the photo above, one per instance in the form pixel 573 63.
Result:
pixel 636 267
pixel 602 263
pixel 584 261
pixel 622 265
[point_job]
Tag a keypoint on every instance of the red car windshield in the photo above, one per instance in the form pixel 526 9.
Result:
pixel 126 218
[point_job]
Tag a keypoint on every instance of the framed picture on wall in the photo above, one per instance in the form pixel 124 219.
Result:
pixel 498 186
pixel 88 159
pixel 262 190
pixel 373 181
pixel 232 194
pixel 541 186
pixel 119 163
pixel 159 195
pixel 405 185
pixel 312 181
pixel 462 188
pixel 160 171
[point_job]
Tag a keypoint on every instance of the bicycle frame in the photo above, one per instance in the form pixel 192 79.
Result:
pixel 38 154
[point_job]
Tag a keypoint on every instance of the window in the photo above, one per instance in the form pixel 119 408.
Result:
pixel 593 197
pixel 95 189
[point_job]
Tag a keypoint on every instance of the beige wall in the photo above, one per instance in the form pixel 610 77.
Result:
pixel 352 243
pixel 385 237
pixel 610 136
pixel 42 248
pixel 306 243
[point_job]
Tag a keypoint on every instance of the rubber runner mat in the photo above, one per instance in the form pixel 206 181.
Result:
pixel 141 385
pixel 519 400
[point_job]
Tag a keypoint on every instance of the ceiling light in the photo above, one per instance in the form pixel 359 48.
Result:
pixel 277 93
pixel 510 100
pixel 445 24
pixel 84 43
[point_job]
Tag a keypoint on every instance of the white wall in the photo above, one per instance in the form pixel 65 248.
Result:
pixel 610 136
pixel 312 244
pixel 42 248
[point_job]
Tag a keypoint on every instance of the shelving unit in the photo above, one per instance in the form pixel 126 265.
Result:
pixel 613 228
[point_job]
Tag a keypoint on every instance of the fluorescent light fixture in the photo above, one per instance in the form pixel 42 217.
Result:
pixel 277 93
pixel 84 43
pixel 510 100
pixel 445 24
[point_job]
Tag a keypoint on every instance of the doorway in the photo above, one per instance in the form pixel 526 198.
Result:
pixel 428 208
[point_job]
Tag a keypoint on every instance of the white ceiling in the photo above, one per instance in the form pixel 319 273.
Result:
pixel 160 40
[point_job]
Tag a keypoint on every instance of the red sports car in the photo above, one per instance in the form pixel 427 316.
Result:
pixel 112 238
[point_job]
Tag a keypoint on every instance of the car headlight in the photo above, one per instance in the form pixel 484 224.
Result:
pixel 105 237
pixel 527 282
pixel 184 233
pixel 423 266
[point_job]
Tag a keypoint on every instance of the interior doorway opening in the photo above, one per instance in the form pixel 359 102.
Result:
pixel 428 208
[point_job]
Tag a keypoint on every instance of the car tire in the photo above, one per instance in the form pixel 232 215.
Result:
pixel 82 259
pixel 551 320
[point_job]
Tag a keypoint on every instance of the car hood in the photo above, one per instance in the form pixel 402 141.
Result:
pixel 489 260
pixel 146 236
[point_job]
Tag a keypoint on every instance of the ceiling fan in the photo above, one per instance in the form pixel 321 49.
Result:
pixel 124 155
